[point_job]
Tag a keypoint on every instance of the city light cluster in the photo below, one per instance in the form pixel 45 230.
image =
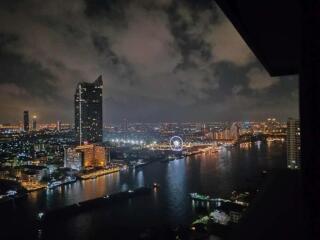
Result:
pixel 128 141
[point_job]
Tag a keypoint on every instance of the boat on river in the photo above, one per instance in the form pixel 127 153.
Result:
pixel 200 197
pixel 67 180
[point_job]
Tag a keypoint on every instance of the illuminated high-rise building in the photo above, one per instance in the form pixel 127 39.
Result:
pixel 26 121
pixel 34 123
pixel 88 111
pixel 235 131
pixel 293 144
pixel 86 156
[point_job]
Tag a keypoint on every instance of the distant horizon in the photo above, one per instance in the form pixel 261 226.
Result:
pixel 169 122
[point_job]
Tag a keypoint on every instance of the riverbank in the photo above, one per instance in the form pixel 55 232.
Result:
pixel 151 215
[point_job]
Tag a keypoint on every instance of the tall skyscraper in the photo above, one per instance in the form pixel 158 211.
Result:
pixel 88 111
pixel 293 144
pixel 34 123
pixel 26 121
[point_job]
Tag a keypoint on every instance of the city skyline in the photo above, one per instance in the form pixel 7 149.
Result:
pixel 164 61
pixel 120 122
pixel 159 119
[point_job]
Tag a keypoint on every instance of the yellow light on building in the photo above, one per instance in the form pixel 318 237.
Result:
pixel 93 155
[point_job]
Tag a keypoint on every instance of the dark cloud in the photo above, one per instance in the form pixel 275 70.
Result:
pixel 160 60
pixel 29 76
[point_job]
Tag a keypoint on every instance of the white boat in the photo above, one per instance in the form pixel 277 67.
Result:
pixel 54 184
pixel 67 180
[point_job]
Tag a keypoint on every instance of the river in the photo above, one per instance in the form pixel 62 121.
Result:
pixel 216 174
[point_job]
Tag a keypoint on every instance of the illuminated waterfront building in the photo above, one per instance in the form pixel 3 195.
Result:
pixel 217 135
pixel 26 121
pixel 10 128
pixel 293 144
pixel 72 159
pixel 235 131
pixel 86 156
pixel 54 126
pixel 272 126
pixel 223 135
pixel 88 111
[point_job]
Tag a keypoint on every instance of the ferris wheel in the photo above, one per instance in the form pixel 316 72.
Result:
pixel 176 143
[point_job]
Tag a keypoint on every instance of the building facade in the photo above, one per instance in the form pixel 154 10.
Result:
pixel 73 159
pixel 34 123
pixel 225 134
pixel 88 112
pixel 293 144
pixel 86 156
pixel 26 121
pixel 235 131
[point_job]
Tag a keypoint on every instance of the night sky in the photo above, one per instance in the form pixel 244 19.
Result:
pixel 160 61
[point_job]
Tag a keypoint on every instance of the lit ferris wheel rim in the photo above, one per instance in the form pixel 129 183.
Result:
pixel 176 143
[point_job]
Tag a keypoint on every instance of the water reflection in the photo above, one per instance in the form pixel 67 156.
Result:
pixel 124 187
pixel 258 144
pixel 176 185
pixel 140 179
pixel 212 174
